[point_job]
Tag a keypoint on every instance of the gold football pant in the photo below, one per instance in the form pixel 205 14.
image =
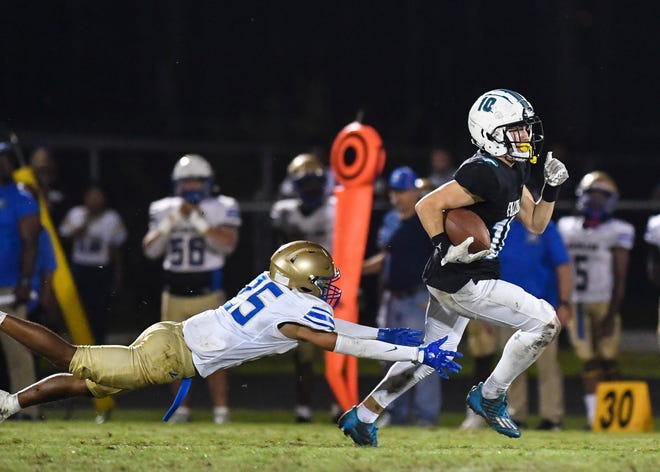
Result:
pixel 583 329
pixel 158 356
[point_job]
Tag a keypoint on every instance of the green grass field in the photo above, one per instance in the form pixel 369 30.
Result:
pixel 136 440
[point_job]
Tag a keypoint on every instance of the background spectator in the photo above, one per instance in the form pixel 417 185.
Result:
pixel 309 215
pixel 97 233
pixel 599 246
pixel 19 240
pixel 195 232
pixel 404 250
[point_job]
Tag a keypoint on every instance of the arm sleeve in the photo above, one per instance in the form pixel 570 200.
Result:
pixel 371 349
pixel 355 330
pixel 27 204
pixel 478 178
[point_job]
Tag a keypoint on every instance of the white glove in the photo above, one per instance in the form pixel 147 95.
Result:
pixel 199 223
pixel 554 171
pixel 166 224
pixel 459 254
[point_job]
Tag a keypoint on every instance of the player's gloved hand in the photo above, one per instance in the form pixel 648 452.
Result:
pixel 171 219
pixel 199 222
pixel 459 254
pixel 440 359
pixel 401 336
pixel 554 171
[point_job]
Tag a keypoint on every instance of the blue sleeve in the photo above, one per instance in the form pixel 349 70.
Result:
pixel 555 244
pixel 26 205
pixel 387 229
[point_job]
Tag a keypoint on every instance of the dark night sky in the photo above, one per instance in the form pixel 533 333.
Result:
pixel 298 71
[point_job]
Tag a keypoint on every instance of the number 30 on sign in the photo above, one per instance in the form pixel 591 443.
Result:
pixel 623 406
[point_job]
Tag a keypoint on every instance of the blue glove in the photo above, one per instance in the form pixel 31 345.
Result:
pixel 440 359
pixel 401 336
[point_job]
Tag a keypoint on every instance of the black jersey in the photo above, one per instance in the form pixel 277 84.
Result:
pixel 500 186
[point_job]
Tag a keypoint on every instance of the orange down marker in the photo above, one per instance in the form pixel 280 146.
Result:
pixel 357 157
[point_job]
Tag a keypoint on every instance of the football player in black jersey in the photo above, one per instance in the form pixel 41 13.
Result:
pixel 465 286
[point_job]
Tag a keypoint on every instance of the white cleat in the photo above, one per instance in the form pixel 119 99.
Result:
pixel 221 415
pixel 8 405
pixel 472 421
pixel 181 415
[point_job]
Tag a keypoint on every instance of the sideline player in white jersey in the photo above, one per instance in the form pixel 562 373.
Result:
pixel 291 302
pixel 652 237
pixel 195 232
pixel 599 246
pixel 465 286
pixel 310 216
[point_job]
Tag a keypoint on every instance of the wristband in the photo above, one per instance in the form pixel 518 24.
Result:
pixel 550 193
pixel 442 242
pixel 198 222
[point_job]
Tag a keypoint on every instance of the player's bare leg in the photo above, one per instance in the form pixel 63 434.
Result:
pixel 53 388
pixel 38 339
pixel 219 388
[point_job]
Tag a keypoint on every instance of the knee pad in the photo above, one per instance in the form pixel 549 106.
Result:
pixel 549 331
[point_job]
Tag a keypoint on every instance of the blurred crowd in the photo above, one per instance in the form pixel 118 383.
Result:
pixel 579 265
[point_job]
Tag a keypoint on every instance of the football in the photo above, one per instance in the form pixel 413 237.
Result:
pixel 461 223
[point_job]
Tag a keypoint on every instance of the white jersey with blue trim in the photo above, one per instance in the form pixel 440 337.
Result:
pixel 247 326
pixel 591 253
pixel 187 250
pixel 652 234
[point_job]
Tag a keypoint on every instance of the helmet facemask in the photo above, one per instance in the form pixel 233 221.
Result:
pixel 597 197
pixel 521 150
pixel 196 195
pixel 330 293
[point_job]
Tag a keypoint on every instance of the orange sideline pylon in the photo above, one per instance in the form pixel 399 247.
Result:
pixel 357 157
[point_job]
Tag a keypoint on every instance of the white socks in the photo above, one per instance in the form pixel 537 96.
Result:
pixel 365 415
pixel 517 356
pixel 3 315
pixel 590 405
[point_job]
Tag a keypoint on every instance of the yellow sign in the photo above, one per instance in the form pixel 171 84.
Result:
pixel 63 284
pixel 623 406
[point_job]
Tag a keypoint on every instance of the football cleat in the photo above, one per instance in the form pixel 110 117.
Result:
pixel 221 415
pixel 362 434
pixel 6 409
pixel 493 411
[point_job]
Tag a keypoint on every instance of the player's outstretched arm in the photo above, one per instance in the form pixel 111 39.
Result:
pixel 400 336
pixel 430 355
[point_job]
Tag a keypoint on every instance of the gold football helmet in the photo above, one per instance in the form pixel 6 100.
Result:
pixel 304 165
pixel 592 205
pixel 308 268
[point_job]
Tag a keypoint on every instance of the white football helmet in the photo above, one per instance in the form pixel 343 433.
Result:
pixel 492 117
pixel 192 166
